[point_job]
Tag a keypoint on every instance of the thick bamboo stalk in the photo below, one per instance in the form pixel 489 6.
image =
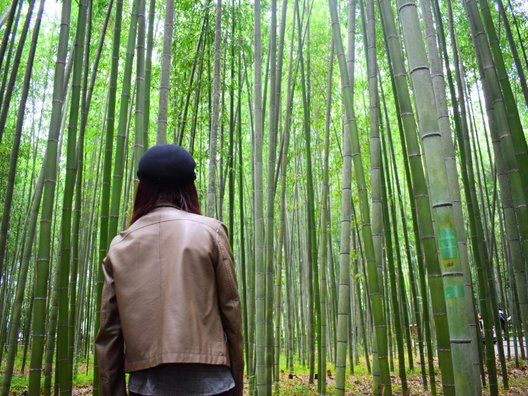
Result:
pixel 380 218
pixel 139 142
pixel 122 126
pixel 514 121
pixel 9 18
pixel 212 195
pixel 148 73
pixel 480 252
pixel 373 281
pixel 107 174
pixel 8 90
pixel 506 159
pixel 346 221
pixel 439 89
pixel 263 388
pixel 274 121
pixel 9 34
pixel 513 48
pixel 311 238
pixel 458 305
pixel 50 175
pixel 8 200
pixel 63 368
pixel 270 196
pixel 323 232
pixel 164 88
pixel 22 277
pixel 422 218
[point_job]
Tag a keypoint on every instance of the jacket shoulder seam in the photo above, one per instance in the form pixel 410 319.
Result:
pixel 125 234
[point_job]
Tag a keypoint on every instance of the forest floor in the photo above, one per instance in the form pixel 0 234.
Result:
pixel 358 384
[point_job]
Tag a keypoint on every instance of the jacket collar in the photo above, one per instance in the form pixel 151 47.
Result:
pixel 165 205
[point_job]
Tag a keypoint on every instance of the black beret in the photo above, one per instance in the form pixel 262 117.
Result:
pixel 166 164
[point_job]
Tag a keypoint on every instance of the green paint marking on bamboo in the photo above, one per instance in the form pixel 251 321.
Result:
pixel 448 244
pixel 454 291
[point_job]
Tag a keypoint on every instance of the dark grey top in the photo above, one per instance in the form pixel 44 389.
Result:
pixel 182 380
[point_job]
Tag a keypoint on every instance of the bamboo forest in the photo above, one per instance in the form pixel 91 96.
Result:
pixel 368 157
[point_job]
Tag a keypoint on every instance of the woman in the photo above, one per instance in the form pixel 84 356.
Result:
pixel 170 311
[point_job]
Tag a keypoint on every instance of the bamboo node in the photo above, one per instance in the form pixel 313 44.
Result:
pixel 442 204
pixel 453 273
pixel 408 4
pixel 431 134
pixel 460 341
pixel 418 68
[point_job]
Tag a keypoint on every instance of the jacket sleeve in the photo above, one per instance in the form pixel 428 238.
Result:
pixel 230 311
pixel 109 344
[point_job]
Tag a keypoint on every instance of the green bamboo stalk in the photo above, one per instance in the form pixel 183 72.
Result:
pixel 262 387
pixel 139 144
pixel 7 32
pixel 313 273
pixel 513 48
pixel 458 306
pixel 87 98
pixel 197 99
pixel 212 195
pixel 148 73
pixel 274 121
pixel 63 368
pixel 8 200
pixel 519 37
pixel 119 163
pixel 285 145
pixel 29 227
pixel 514 121
pixel 30 231
pixel 422 219
pixel 199 55
pixel 22 277
pixel 506 159
pixel 395 300
pixel 270 196
pixel 242 238
pixel 419 255
pixel 439 90
pixel 50 175
pixel 355 153
pixel 165 72
pixel 480 252
pixel 5 41
pixel 86 95
pixel 323 233
pixel 8 90
pixel 401 279
pixel 107 175
pixel 346 202
pixel 380 219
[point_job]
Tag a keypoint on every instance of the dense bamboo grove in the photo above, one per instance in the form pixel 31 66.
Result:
pixel 369 157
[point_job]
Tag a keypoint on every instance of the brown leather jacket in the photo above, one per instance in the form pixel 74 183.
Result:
pixel 170 296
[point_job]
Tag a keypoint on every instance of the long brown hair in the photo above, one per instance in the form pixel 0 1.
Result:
pixel 148 196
